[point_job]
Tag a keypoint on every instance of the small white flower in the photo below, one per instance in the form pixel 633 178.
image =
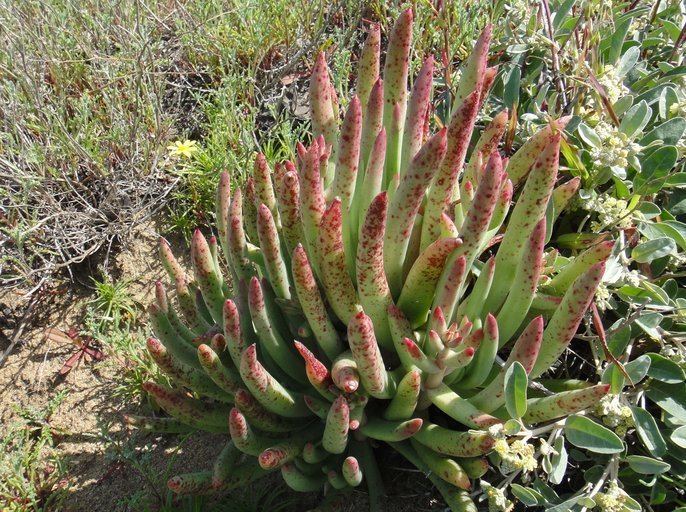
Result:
pixel 632 277
pixel 615 148
pixel 497 499
pixel 515 456
pixel 546 448
pixel 613 85
pixel 496 431
pixel 612 500
pixel 614 413
pixel 611 212
pixel 602 297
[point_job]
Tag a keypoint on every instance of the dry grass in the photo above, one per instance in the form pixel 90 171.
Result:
pixel 93 92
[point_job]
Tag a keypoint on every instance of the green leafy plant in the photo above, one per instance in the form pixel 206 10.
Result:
pixel 32 477
pixel 386 288
pixel 113 301
pixel 618 68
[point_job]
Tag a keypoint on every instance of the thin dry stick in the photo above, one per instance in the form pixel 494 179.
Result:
pixel 15 337
pixel 559 82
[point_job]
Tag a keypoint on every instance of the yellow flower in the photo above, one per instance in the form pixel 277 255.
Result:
pixel 183 149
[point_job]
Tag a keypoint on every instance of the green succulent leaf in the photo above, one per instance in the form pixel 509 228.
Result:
pixel 678 437
pixel 583 432
pixel 558 462
pixel 667 99
pixel 516 383
pixel 665 370
pixel 668 132
pixel 589 136
pixel 670 397
pixel 651 250
pixel 616 40
pixel 635 119
pixel 654 170
pixel 636 370
pixel 647 465
pixel 648 432
pixel 527 496
pixel 628 61
pixel 511 81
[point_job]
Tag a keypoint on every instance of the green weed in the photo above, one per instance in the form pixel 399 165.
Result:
pixel 32 476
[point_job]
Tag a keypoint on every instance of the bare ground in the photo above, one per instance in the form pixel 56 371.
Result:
pixel 30 377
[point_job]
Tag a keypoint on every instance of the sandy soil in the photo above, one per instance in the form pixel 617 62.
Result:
pixel 30 377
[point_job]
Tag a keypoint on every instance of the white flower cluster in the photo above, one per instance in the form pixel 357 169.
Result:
pixel 613 85
pixel 519 11
pixel 610 210
pixel 497 431
pixel 615 147
pixel 676 354
pixel 497 499
pixel 678 108
pixel 602 297
pixel 515 456
pixel 631 277
pixel 639 24
pixel 620 274
pixel 546 448
pixel 614 414
pixel 612 500
pixel 681 147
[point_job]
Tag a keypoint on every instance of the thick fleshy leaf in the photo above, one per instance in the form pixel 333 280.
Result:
pixel 585 433
pixel 567 317
pixel 564 403
pixel 405 205
pixel 324 120
pixel 365 350
pixel 396 69
pixel 516 383
pixel 334 274
pixel 444 183
pixel 529 210
pixel 369 63
pixel 313 304
pixel 418 291
pixel 372 286
pixel 413 137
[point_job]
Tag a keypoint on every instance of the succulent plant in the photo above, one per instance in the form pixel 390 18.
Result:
pixel 372 287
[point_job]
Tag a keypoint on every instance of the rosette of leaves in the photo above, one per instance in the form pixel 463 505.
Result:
pixel 383 288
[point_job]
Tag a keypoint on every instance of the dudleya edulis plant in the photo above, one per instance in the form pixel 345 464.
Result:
pixel 371 288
